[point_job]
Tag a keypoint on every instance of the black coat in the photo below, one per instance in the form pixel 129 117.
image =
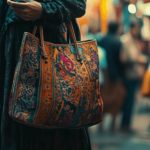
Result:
pixel 15 136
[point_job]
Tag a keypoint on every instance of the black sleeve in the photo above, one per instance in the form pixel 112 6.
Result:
pixel 56 12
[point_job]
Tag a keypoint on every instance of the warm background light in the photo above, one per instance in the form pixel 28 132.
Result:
pixel 132 8
pixel 148 10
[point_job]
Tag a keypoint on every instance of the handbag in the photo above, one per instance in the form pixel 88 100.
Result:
pixel 56 85
pixel 145 89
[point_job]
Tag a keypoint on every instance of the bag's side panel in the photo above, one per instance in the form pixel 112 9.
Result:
pixel 97 113
pixel 13 89
pixel 89 54
pixel 28 81
pixel 93 115
pixel 92 62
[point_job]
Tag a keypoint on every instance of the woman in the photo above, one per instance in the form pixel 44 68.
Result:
pixel 15 19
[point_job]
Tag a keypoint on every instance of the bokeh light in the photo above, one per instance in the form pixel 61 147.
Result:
pixel 132 8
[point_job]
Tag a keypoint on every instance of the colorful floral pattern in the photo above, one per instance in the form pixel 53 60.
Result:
pixel 57 92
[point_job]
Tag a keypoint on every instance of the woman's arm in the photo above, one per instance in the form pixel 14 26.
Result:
pixel 52 12
pixel 60 11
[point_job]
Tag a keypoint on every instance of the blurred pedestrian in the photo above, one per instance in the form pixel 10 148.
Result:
pixel 113 90
pixel 112 44
pixel 133 59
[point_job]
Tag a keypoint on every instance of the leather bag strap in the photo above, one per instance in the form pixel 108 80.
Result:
pixel 73 38
pixel 71 33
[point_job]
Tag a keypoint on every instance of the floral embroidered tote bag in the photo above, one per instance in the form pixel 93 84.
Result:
pixel 56 85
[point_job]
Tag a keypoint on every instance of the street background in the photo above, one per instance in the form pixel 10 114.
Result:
pixel 131 20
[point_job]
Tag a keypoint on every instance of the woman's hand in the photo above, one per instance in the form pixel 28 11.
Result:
pixel 27 11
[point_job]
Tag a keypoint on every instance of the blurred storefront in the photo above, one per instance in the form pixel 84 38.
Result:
pixel 100 12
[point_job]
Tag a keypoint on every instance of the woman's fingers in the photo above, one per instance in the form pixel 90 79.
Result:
pixel 17 4
pixel 27 11
pixel 24 10
pixel 19 8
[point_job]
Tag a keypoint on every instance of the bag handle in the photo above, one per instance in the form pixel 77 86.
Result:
pixel 71 33
pixel 73 38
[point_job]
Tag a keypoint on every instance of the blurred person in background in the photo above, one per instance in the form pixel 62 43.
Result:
pixel 113 90
pixel 134 61
pixel 112 44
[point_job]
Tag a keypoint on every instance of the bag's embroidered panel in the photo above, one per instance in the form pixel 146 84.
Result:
pixel 57 92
